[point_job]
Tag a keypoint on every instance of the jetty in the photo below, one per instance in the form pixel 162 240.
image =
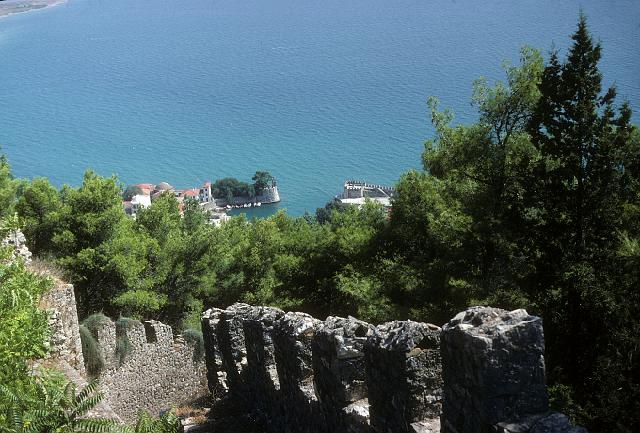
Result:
pixel 357 192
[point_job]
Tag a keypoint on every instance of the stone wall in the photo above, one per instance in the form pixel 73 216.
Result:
pixel 60 302
pixel 482 372
pixel 16 240
pixel 156 373
pixel 64 344
pixel 494 374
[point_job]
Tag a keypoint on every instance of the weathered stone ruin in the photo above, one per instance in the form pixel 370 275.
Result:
pixel 339 373
pixel 494 374
pixel 483 372
pixel 64 344
pixel 15 239
pixel 404 376
pixel 216 376
pixel 155 373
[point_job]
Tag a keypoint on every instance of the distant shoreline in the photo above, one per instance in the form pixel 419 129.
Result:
pixel 12 7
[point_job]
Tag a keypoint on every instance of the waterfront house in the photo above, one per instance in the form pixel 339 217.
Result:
pixel 205 193
pixel 136 203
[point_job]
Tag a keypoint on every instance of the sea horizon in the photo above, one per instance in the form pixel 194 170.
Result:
pixel 315 93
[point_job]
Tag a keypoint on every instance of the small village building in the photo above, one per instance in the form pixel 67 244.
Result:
pixel 358 192
pixel 137 202
pixel 145 188
pixel 205 193
pixel 193 193
pixel 160 189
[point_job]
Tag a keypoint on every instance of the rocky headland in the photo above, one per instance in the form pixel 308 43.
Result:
pixel 10 7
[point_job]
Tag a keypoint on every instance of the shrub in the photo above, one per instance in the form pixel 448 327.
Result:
pixel 194 338
pixel 123 345
pixel 93 359
pixel 23 328
pixel 140 303
pixel 52 405
pixel 167 423
pixel 95 321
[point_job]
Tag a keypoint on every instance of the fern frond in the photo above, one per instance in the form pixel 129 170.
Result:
pixel 86 391
pixel 87 404
pixel 96 426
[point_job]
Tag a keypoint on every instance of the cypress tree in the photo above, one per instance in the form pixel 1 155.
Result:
pixel 579 191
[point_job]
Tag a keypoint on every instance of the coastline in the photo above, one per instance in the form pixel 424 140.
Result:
pixel 12 7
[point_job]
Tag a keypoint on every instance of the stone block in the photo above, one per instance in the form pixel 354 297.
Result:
pixel 493 369
pixel 230 335
pixel 404 375
pixel 292 338
pixel 216 376
pixel 261 371
pixel 339 370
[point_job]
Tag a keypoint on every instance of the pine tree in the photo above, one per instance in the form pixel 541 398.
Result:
pixel 579 191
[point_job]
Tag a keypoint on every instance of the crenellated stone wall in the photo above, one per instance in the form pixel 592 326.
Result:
pixel 155 373
pixel 483 372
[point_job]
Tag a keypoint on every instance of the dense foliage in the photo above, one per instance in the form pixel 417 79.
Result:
pixel 535 205
pixel 230 187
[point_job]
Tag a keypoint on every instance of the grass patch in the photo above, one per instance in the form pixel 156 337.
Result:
pixel 123 345
pixel 93 359
pixel 95 322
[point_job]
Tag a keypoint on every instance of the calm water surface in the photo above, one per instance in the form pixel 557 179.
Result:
pixel 314 91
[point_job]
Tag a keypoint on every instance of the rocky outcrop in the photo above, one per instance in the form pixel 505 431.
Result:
pixel 483 372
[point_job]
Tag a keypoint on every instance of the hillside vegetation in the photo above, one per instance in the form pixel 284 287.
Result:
pixel 536 206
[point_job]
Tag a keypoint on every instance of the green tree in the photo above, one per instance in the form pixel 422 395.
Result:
pixel 91 217
pixel 8 188
pixel 130 192
pixel 584 181
pixel 40 209
pixel 487 168
pixel 261 180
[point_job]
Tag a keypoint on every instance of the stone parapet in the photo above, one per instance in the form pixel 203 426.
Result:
pixel 339 373
pixel 261 371
pixel 64 344
pixel 494 374
pixel 292 338
pixel 147 369
pixel 482 373
pixel 230 335
pixel 404 375
pixel 216 376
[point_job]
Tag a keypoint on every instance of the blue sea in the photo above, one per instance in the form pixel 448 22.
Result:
pixel 314 91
